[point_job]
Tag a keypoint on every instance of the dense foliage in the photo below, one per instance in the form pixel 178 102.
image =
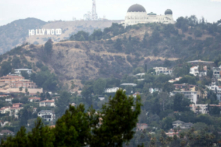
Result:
pixel 112 126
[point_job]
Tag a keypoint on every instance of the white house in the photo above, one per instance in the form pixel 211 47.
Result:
pixel 14 111
pixel 11 110
pixel 175 80
pixel 47 103
pixel 181 125
pixel 194 70
pixel 140 75
pixel 191 95
pixel 9 99
pixel 112 90
pixel 199 108
pixel 5 110
pixel 163 70
pixel 216 72
pixel 3 124
pixel 129 84
pixel 214 88
pixel 152 90
pixel 47 115
pixel 18 71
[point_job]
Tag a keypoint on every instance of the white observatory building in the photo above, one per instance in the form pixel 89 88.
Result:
pixel 137 14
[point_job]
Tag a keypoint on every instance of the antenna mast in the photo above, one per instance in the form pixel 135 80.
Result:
pixel 94 12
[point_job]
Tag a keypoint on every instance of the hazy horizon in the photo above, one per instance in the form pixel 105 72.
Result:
pixel 49 10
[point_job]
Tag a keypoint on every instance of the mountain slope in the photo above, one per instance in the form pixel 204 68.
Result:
pixel 117 51
pixel 15 33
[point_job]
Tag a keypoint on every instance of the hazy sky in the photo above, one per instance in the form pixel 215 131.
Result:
pixel 112 9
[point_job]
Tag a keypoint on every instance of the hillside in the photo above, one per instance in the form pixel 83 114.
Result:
pixel 17 32
pixel 117 51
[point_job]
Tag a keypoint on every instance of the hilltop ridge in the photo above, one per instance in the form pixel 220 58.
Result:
pixel 117 51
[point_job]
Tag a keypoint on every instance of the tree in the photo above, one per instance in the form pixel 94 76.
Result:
pixel 25 74
pixel 112 126
pixel 5 68
pixel 181 103
pixel 118 44
pixel 118 121
pixel 73 128
pixel 40 136
pixel 48 47
pixel 62 103
pixel 20 89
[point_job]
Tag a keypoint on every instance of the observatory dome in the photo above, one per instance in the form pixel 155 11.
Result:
pixel 168 12
pixel 136 8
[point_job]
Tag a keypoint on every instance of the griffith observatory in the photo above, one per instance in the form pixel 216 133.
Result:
pixel 137 14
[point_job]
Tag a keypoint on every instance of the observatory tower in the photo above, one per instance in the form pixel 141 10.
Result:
pixel 94 12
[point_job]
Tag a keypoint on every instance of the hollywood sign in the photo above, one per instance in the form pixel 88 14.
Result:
pixel 45 32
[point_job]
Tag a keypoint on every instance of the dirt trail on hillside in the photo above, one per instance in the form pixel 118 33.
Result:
pixel 124 55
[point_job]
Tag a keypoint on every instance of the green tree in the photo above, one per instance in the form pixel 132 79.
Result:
pixel 41 135
pixel 119 117
pixel 48 47
pixel 118 44
pixel 181 103
pixel 73 128
pixel 20 89
pixel 25 74
pixel 112 126
pixel 62 103
pixel 6 68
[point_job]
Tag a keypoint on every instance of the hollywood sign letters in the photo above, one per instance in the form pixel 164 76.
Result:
pixel 45 32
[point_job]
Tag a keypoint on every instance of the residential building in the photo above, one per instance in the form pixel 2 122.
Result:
pixel 19 71
pixel 175 80
pixel 194 70
pixel 13 111
pixel 47 103
pixel 172 132
pixel 185 87
pixel 47 115
pixel 152 90
pixel 140 75
pixel 5 123
pixel 34 99
pixel 112 90
pixel 218 96
pixel 10 78
pixel 191 95
pixel 23 84
pixel 216 72
pixel 9 99
pixel 5 110
pixel 6 132
pixel 214 88
pixel 12 84
pixel 141 126
pixel 163 70
pixel 198 62
pixel 181 125
pixel 199 108
pixel 17 105
pixel 129 84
